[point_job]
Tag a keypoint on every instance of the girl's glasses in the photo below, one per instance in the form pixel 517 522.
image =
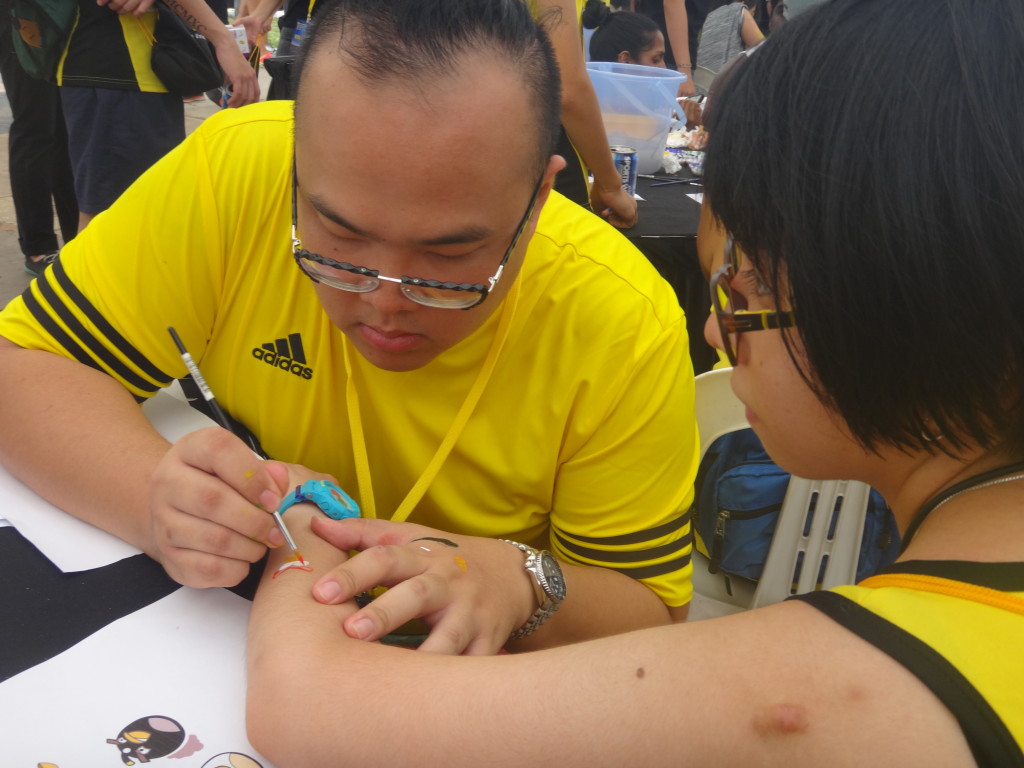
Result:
pixel 730 307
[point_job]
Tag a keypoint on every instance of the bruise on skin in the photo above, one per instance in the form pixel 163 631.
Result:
pixel 780 719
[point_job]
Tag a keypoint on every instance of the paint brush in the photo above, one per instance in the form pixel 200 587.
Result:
pixel 223 420
pixel 698 182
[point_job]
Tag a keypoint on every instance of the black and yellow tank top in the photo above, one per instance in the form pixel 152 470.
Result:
pixel 957 626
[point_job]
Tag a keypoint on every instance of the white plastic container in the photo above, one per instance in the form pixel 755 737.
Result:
pixel 637 104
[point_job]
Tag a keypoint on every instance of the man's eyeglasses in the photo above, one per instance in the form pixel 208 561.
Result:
pixel 730 307
pixel 441 294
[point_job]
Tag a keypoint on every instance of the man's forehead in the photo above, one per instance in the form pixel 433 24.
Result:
pixel 474 74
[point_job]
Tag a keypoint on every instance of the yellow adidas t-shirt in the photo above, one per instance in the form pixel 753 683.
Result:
pixel 584 438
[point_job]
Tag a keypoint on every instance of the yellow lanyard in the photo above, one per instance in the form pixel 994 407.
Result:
pixel 363 476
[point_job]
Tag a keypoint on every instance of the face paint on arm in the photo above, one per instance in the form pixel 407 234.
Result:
pixel 295 561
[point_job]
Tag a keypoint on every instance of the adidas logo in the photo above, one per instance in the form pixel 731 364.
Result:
pixel 286 354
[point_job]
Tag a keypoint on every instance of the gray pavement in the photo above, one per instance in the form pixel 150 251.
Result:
pixel 13 278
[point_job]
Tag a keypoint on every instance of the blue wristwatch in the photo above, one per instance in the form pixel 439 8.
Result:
pixel 334 502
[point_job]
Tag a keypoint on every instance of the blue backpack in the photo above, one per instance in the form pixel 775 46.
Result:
pixel 737 499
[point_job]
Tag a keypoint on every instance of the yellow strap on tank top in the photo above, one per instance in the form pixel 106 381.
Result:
pixel 938 585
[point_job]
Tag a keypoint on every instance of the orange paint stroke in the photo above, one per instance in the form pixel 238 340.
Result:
pixel 293 563
pixel 461 563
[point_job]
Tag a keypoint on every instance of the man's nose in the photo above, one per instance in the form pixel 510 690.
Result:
pixel 388 298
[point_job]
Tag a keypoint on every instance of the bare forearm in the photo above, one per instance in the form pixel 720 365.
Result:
pixel 198 15
pixel 581 117
pixel 265 9
pixel 677 25
pixel 295 641
pixel 581 114
pixel 77 438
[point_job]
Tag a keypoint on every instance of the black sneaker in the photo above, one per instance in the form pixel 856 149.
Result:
pixel 36 268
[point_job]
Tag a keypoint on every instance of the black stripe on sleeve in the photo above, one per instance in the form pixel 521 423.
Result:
pixel 637 537
pixel 990 740
pixel 658 569
pixel 104 327
pixel 56 332
pixel 621 556
pixel 80 334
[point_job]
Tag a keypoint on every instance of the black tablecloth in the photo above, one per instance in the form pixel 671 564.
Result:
pixel 667 235
pixel 45 612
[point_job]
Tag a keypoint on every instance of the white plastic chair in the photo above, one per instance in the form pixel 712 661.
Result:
pixel 809 541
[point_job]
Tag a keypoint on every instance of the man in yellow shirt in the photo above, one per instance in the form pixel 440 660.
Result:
pixel 396 299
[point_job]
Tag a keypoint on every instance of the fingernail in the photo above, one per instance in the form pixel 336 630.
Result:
pixel 269 500
pixel 327 591
pixel 275 538
pixel 361 628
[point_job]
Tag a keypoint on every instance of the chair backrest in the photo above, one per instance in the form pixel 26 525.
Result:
pixel 818 536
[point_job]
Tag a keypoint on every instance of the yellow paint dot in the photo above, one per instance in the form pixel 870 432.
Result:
pixel 461 563
pixel 249 473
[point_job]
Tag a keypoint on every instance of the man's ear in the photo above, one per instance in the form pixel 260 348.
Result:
pixel 555 164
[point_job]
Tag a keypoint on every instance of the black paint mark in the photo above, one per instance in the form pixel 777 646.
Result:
pixel 446 542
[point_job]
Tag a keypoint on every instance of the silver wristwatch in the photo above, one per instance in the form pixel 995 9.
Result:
pixel 546 571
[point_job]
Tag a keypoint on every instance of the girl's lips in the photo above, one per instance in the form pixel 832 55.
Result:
pixel 389 341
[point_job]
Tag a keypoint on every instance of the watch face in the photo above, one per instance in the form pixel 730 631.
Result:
pixel 553 576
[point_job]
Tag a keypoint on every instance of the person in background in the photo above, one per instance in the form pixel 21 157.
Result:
pixel 584 142
pixel 120 118
pixel 781 11
pixel 37 160
pixel 295 12
pixel 257 18
pixel 679 21
pixel 622 36
pixel 729 29
pixel 871 301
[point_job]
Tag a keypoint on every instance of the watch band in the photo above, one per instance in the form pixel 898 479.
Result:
pixel 554 593
pixel 333 501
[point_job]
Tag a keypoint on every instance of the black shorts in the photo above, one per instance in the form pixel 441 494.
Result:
pixel 114 136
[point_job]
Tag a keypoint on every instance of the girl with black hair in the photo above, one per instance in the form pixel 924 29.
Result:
pixel 622 36
pixel 870 300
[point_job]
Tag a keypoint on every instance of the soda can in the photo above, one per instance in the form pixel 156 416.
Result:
pixel 625 164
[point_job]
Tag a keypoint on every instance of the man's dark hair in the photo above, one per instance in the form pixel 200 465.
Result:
pixel 413 40
pixel 868 158
pixel 617 31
